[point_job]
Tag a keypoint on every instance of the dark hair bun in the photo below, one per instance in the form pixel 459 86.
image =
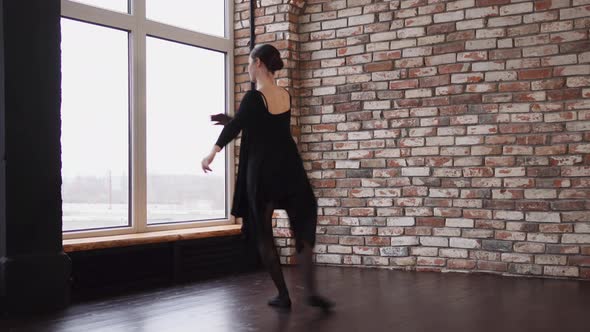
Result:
pixel 276 63
pixel 269 55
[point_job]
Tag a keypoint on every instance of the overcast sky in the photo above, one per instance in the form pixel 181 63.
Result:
pixel 185 85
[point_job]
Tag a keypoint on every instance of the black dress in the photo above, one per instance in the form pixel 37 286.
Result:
pixel 270 171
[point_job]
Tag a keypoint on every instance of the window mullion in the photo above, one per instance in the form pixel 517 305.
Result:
pixel 95 15
pixel 138 114
pixel 230 91
pixel 194 38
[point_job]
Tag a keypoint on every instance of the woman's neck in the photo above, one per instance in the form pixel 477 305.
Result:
pixel 264 82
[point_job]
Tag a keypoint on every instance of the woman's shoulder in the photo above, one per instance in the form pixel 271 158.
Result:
pixel 251 98
pixel 252 95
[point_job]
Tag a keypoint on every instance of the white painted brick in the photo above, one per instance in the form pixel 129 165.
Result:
pixel 576 238
pixel 418 93
pixel 329 90
pixel 576 12
pixel 416 171
pixel 481 44
pixel 399 44
pixel 516 9
pixel 543 216
pixel 471 24
pixel 509 215
pixel 418 21
pixel 461 4
pixel 337 249
pixel 433 241
pixel 504 21
pixel 449 17
pixel 362 19
pixel 454 253
pixel 411 32
pixel 561 271
pixel 334 24
pixel 328 259
pixel 501 76
pixel 401 221
pixel 481 12
pixel 383 36
pixel 377 105
pixel 404 241
pixel 459 222
pixel 465 243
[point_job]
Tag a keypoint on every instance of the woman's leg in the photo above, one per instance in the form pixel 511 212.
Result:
pixel 305 259
pixel 269 255
pixel 304 228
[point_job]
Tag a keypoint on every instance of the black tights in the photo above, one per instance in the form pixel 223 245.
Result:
pixel 270 258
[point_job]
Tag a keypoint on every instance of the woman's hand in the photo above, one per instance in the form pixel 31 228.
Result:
pixel 221 119
pixel 209 159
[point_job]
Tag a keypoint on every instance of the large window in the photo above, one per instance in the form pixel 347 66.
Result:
pixel 139 81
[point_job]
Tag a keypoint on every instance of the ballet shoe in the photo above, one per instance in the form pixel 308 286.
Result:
pixel 319 302
pixel 280 302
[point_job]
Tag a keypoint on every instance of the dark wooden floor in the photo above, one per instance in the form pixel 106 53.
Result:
pixel 367 300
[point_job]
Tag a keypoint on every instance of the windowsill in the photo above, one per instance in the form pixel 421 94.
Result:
pixel 103 242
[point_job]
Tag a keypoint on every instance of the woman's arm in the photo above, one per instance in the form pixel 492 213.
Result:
pixel 209 158
pixel 231 130
pixel 221 119
pixel 241 120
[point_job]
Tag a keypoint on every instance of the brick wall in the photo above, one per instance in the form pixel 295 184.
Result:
pixel 443 135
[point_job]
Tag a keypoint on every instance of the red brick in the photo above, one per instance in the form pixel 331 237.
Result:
pixel 431 261
pixel 420 72
pixel 529 74
pixel 531 139
pixel 564 94
pixel 434 81
pixel 436 29
pixel 550 84
pixel 473 56
pixel 514 86
pixel 461 35
pixel 580 46
pixel 379 66
pixel 466 99
pixel 528 96
pixel 388 55
pixel 437 101
pixel 514 128
pixel 579 260
pixel 547 4
pixel 562 205
pixel 377 241
pixel 505 54
pixel 478 172
pixel 454 68
pixel 418 231
pixel 432 9
pixel 483 3
pixel 405 84
pixel 492 266
pixel 430 221
pixel 462 264
pixel 449 48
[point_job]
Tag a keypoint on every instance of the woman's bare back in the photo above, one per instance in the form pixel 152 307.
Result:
pixel 277 99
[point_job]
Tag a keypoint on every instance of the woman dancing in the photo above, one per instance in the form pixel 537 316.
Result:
pixel 270 173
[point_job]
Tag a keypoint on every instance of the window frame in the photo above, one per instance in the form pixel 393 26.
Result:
pixel 139 28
